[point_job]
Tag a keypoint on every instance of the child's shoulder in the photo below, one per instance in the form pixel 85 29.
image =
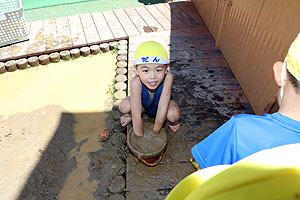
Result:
pixel 135 82
pixel 169 75
pixel 169 78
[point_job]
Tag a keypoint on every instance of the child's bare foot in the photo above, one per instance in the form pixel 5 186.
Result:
pixel 175 126
pixel 125 119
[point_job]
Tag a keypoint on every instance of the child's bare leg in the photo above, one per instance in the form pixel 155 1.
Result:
pixel 124 108
pixel 173 116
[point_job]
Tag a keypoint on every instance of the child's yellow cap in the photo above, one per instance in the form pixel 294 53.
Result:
pixel 293 58
pixel 150 52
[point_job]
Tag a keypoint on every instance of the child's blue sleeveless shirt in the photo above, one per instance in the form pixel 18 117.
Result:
pixel 149 105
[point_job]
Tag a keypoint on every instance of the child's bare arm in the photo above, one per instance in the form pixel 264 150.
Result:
pixel 136 106
pixel 164 101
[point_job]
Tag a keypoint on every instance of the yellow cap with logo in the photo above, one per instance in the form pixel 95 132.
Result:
pixel 150 52
pixel 293 58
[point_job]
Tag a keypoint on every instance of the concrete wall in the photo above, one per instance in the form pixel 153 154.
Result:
pixel 252 35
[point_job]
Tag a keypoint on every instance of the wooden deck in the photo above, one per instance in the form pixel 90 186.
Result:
pixel 93 28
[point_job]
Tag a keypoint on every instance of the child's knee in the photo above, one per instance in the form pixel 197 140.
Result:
pixel 173 114
pixel 124 106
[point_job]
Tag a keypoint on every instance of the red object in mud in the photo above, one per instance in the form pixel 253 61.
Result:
pixel 103 135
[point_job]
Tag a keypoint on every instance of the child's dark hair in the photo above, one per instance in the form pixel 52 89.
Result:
pixel 294 81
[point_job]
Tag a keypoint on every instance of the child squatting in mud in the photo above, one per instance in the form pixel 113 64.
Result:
pixel 150 90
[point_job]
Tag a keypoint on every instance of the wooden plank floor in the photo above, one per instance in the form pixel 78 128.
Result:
pixel 51 35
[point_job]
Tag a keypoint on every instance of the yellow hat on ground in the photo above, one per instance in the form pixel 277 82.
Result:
pixel 150 52
pixel 293 58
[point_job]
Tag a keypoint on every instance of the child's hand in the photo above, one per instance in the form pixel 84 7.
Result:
pixel 139 134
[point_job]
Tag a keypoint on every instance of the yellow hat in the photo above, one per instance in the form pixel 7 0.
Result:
pixel 150 52
pixel 293 58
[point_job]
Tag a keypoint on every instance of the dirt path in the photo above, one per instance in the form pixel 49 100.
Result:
pixel 49 121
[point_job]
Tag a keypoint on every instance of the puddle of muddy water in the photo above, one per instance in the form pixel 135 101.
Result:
pixel 86 128
pixel 32 102
pixel 78 85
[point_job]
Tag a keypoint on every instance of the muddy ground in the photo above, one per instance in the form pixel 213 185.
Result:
pixel 50 120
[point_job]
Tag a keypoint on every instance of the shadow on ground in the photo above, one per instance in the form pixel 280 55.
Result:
pixel 48 177
pixel 74 162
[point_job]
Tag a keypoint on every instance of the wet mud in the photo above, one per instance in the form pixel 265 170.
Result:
pixel 148 29
pixel 73 165
pixel 49 125
pixel 48 177
pixel 24 146
pixel 150 145
pixel 108 165
pixel 86 129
